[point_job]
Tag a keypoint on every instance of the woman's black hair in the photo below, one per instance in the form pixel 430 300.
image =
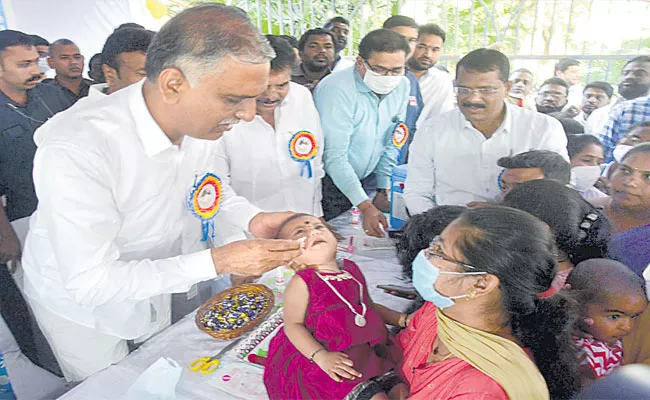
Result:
pixel 520 250
pixel 576 144
pixel 639 148
pixel 581 230
pixel 420 230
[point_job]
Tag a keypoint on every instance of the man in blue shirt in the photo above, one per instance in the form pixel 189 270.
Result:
pixel 408 28
pixel 24 106
pixel 362 111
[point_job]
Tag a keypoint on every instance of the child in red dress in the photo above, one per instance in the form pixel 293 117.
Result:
pixel 333 331
pixel 611 297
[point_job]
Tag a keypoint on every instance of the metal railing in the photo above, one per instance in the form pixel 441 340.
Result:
pixel 533 33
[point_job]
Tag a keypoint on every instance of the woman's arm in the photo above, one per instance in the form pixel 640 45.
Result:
pixel 336 364
pixel 391 317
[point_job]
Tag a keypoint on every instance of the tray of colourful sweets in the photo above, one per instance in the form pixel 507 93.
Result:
pixel 235 311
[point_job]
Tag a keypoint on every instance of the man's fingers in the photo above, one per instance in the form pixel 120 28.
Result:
pixel 281 245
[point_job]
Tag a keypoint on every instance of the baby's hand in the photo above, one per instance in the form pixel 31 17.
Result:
pixel 337 365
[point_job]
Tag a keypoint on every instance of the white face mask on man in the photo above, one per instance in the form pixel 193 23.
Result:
pixel 381 84
pixel 585 177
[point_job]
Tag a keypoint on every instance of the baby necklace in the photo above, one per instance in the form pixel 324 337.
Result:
pixel 359 319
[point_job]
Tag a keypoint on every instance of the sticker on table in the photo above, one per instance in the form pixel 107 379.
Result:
pixel 204 202
pixel 400 134
pixel 303 148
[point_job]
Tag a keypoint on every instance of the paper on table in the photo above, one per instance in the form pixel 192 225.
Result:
pixel 242 380
pixel 158 382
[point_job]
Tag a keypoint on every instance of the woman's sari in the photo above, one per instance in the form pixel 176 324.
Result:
pixel 632 248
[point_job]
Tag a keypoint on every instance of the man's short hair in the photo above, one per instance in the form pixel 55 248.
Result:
pixel 39 40
pixel 335 20
pixel 432 29
pixel 564 63
pixel 285 57
pixel 197 39
pixel 291 40
pixel 383 41
pixel 604 86
pixel 554 166
pixel 126 40
pixel 129 25
pixel 556 81
pixel 638 59
pixel 523 70
pixel 9 38
pixel 59 42
pixel 485 60
pixel 399 20
pixel 312 32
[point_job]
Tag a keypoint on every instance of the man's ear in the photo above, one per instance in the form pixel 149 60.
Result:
pixel 110 74
pixel 172 83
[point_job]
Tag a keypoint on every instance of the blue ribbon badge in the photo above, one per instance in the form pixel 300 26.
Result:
pixel 204 202
pixel 303 148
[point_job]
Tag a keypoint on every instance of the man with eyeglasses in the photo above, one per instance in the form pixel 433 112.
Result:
pixel 552 96
pixel 362 112
pixel 454 156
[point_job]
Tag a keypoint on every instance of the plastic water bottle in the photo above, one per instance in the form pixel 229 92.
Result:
pixel 356 216
pixel 6 392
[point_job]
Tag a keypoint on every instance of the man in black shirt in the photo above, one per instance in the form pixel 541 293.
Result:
pixel 25 105
pixel 68 62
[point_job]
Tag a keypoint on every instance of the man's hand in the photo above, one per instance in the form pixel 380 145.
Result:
pixel 254 257
pixel 381 201
pixel 265 225
pixel 9 246
pixel 374 222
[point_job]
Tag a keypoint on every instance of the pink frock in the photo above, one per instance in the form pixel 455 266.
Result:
pixel 289 375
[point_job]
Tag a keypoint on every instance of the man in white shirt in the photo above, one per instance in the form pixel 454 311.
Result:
pixel 118 180
pixel 454 156
pixel 275 161
pixel 436 85
pixel 596 95
pixel 340 29
pixel 569 70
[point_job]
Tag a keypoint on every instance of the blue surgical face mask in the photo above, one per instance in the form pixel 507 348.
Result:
pixel 425 275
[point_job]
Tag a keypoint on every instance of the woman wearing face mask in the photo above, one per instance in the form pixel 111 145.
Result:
pixel 488 314
pixel 629 209
pixel 586 155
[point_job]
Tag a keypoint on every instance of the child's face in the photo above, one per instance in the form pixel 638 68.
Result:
pixel 320 243
pixel 615 316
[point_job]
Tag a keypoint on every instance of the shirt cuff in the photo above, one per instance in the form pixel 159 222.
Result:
pixel 199 266
pixel 383 182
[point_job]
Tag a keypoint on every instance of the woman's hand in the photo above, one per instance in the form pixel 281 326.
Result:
pixel 337 365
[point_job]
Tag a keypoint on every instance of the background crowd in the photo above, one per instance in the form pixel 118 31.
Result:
pixel 484 150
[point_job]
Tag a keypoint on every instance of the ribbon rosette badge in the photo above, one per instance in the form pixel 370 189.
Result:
pixel 400 134
pixel 303 148
pixel 205 200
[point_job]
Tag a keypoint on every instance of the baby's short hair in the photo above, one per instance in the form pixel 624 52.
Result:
pixel 593 280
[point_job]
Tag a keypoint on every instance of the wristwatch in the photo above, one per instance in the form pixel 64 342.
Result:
pixel 382 191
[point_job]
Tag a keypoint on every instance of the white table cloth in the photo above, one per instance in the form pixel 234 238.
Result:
pixel 184 342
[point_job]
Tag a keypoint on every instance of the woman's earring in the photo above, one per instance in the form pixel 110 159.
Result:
pixel 471 294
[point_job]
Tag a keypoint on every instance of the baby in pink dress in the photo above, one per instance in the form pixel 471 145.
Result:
pixel 333 333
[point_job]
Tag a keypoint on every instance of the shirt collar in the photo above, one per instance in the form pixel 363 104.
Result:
pixel 506 125
pixel 361 86
pixel 152 137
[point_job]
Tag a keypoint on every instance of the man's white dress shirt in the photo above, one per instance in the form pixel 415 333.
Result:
pixel 104 246
pixel 437 94
pixel 254 159
pixel 453 162
pixel 597 120
pixel 574 97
